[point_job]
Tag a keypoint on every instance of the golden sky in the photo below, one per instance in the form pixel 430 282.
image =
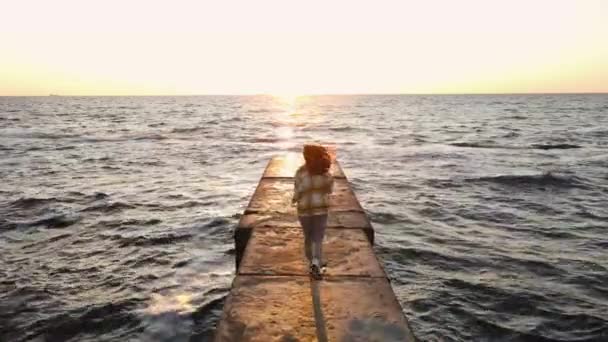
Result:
pixel 132 47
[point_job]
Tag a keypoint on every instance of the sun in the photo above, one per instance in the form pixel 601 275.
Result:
pixel 288 99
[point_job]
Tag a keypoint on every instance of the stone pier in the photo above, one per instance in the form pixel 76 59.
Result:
pixel 273 297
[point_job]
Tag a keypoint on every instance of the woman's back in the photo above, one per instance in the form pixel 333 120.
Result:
pixel 312 186
pixel 312 191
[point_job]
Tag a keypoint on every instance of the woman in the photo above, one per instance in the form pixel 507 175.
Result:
pixel 313 184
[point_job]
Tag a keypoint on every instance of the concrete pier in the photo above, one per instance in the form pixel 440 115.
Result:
pixel 274 299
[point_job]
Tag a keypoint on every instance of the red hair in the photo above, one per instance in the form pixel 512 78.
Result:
pixel 318 160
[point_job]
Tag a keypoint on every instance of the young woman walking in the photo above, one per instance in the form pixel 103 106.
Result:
pixel 312 186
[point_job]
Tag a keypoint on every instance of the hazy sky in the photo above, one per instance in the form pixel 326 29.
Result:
pixel 300 47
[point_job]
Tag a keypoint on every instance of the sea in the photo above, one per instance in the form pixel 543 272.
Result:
pixel 117 213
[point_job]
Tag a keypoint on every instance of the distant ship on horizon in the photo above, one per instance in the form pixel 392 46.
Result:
pixel 54 95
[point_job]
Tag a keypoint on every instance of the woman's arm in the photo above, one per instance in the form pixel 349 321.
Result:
pixel 330 184
pixel 296 187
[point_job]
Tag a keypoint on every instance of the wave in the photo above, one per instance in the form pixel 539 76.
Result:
pixel 538 181
pixel 109 207
pixel 39 135
pixel 31 202
pixel 206 316
pixel 227 120
pixel 100 139
pixel 7 225
pixel 84 138
pixel 151 137
pixel 266 140
pixel 555 146
pixel 342 129
pixel 533 146
pixel 385 142
pixel 28 203
pixel 59 237
pixel 65 148
pixel 99 195
pixel 432 257
pixel 56 221
pixel 387 218
pixel 546 179
pixel 150 240
pixel 117 223
pixel 598 133
pixel 511 135
pixel 539 267
pixel 477 299
pixel 34 148
pixel 188 130
pixel 476 145
pixel 588 214
pixel 96 139
pixel 217 222
pixel 258 110
pixel 89 319
pixel 189 204
pixel 93 160
pixel 516 117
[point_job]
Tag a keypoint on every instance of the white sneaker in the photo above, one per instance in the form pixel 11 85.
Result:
pixel 315 270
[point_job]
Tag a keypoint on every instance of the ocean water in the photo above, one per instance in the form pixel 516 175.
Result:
pixel 116 213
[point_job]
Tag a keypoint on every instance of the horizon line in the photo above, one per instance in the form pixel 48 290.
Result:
pixel 318 94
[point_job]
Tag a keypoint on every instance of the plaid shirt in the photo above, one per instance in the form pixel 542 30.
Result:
pixel 311 192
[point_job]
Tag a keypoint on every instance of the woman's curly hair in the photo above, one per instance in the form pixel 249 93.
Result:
pixel 318 159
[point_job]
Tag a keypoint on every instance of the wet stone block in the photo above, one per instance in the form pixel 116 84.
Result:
pixel 336 219
pixel 280 251
pixel 274 252
pixel 268 309
pixel 286 166
pixel 359 309
pixel 274 196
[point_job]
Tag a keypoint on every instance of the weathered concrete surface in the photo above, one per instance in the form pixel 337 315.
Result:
pixel 271 308
pixel 268 309
pixel 336 219
pixel 274 299
pixel 280 251
pixel 362 309
pixel 274 196
pixel 287 165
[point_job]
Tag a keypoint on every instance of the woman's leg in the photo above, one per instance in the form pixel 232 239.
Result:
pixel 318 233
pixel 306 222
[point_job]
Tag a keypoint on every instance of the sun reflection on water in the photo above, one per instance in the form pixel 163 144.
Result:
pixel 284 120
pixel 298 113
